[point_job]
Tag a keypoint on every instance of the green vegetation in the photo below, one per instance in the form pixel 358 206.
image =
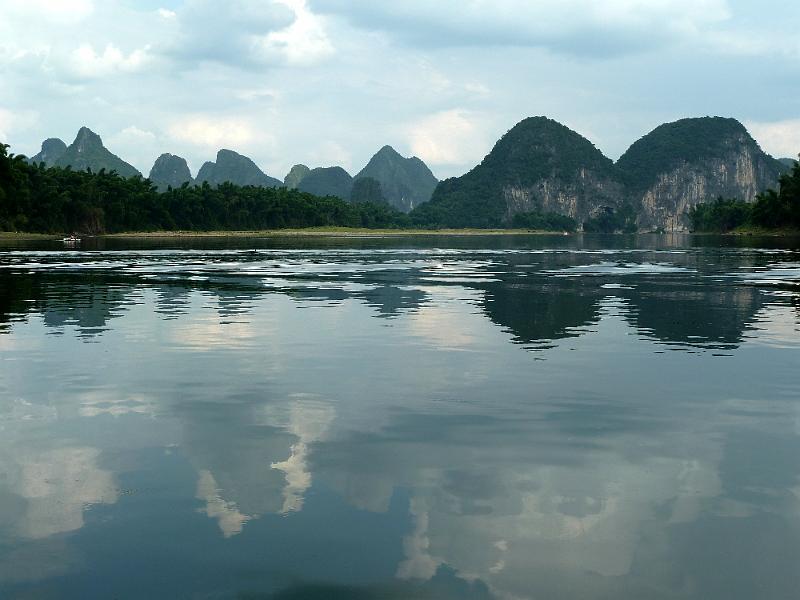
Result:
pixel 232 167
pixel 170 170
pixel 720 216
pixel 295 176
pixel 686 141
pixel 610 220
pixel 88 152
pixel 535 150
pixel 327 181
pixel 37 199
pixel 539 221
pixel 772 210
pixel 367 189
pixel 52 150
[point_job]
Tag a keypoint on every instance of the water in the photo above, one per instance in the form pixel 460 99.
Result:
pixel 511 417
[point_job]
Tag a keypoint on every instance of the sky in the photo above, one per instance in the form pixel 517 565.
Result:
pixel 329 82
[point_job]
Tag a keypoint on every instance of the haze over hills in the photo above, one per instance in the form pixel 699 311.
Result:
pixel 86 152
pixel 327 181
pixel 232 167
pixel 52 150
pixel 789 162
pixel 170 171
pixel 295 176
pixel 405 182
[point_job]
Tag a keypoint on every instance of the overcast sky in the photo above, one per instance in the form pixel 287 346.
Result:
pixel 328 82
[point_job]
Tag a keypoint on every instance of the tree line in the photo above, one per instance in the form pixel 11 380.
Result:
pixel 34 198
pixel 37 199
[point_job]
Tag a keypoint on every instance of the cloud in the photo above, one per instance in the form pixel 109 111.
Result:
pixel 449 137
pixel 87 62
pixel 213 132
pixel 329 153
pixel 304 42
pixel 53 11
pixel 134 134
pixel 578 27
pixel 14 121
pixel 235 35
pixel 779 138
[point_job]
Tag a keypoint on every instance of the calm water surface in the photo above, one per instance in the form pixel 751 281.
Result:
pixel 510 418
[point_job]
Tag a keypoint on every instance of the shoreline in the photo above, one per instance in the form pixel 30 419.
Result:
pixel 328 232
pixel 12 235
pixel 347 232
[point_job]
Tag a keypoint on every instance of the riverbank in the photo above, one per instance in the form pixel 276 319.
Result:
pixel 329 232
pixel 13 235
pixel 754 232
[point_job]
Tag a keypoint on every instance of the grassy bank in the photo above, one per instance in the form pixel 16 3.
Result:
pixel 329 231
pixel 748 230
pixel 13 235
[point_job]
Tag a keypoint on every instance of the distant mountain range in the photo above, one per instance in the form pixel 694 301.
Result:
pixel 539 166
pixel 405 182
pixel 86 152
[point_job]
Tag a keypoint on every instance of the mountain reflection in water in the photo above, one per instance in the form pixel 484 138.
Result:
pixel 510 417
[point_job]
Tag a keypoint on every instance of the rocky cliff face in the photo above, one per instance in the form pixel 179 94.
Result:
pixel 295 176
pixel 740 174
pixel 406 182
pixel 52 150
pixel 539 165
pixel 579 198
pixel 170 171
pixel 679 165
pixel 234 168
pixel 88 152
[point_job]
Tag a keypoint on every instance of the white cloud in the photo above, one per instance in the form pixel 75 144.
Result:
pixel 15 121
pixel 304 42
pixel 330 153
pixel 251 95
pixel 54 11
pixel 449 137
pixel 213 132
pixel 779 138
pixel 235 35
pixel 134 134
pixel 141 146
pixel 166 14
pixel 86 62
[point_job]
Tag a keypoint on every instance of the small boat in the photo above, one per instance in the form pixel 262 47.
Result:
pixel 71 240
